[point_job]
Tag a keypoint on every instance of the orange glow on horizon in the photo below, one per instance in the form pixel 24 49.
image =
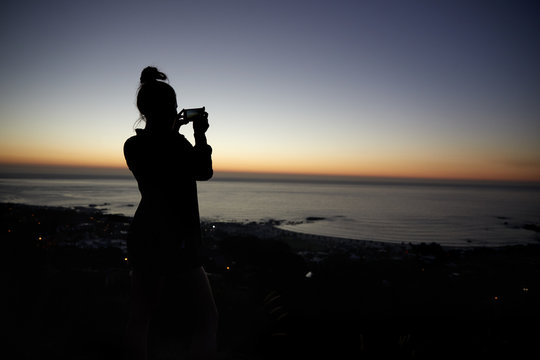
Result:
pixel 391 169
pixel 382 167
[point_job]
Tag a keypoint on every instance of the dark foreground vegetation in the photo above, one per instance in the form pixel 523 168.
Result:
pixel 279 294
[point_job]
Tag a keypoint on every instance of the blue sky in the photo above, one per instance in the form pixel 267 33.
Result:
pixel 380 88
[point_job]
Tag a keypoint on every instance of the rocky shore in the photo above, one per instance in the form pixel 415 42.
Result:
pixel 279 294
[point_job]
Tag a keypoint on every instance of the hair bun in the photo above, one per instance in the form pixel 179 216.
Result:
pixel 150 74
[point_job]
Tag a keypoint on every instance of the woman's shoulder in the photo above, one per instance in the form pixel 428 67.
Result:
pixel 134 141
pixel 140 136
pixel 144 139
pixel 130 142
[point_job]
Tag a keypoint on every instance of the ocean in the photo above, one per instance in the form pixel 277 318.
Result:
pixel 395 211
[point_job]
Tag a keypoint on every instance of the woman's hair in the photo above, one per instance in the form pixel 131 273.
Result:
pixel 155 96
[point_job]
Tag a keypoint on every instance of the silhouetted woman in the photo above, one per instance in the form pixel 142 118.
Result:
pixel 165 235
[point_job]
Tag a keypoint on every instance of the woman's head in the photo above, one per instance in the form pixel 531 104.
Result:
pixel 156 99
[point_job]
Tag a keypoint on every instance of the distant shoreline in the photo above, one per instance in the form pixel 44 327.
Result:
pixel 263 230
pixel 269 229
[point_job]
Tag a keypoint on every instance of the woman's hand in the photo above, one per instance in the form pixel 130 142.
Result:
pixel 200 124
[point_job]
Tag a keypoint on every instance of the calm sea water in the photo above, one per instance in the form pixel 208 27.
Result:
pixel 450 213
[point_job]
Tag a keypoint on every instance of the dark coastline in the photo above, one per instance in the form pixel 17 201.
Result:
pixel 280 294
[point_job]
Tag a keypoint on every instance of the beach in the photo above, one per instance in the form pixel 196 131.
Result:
pixel 279 293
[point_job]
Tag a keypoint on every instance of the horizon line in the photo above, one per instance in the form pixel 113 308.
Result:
pixel 69 169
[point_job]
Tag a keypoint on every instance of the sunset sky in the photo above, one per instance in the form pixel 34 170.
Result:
pixel 443 89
